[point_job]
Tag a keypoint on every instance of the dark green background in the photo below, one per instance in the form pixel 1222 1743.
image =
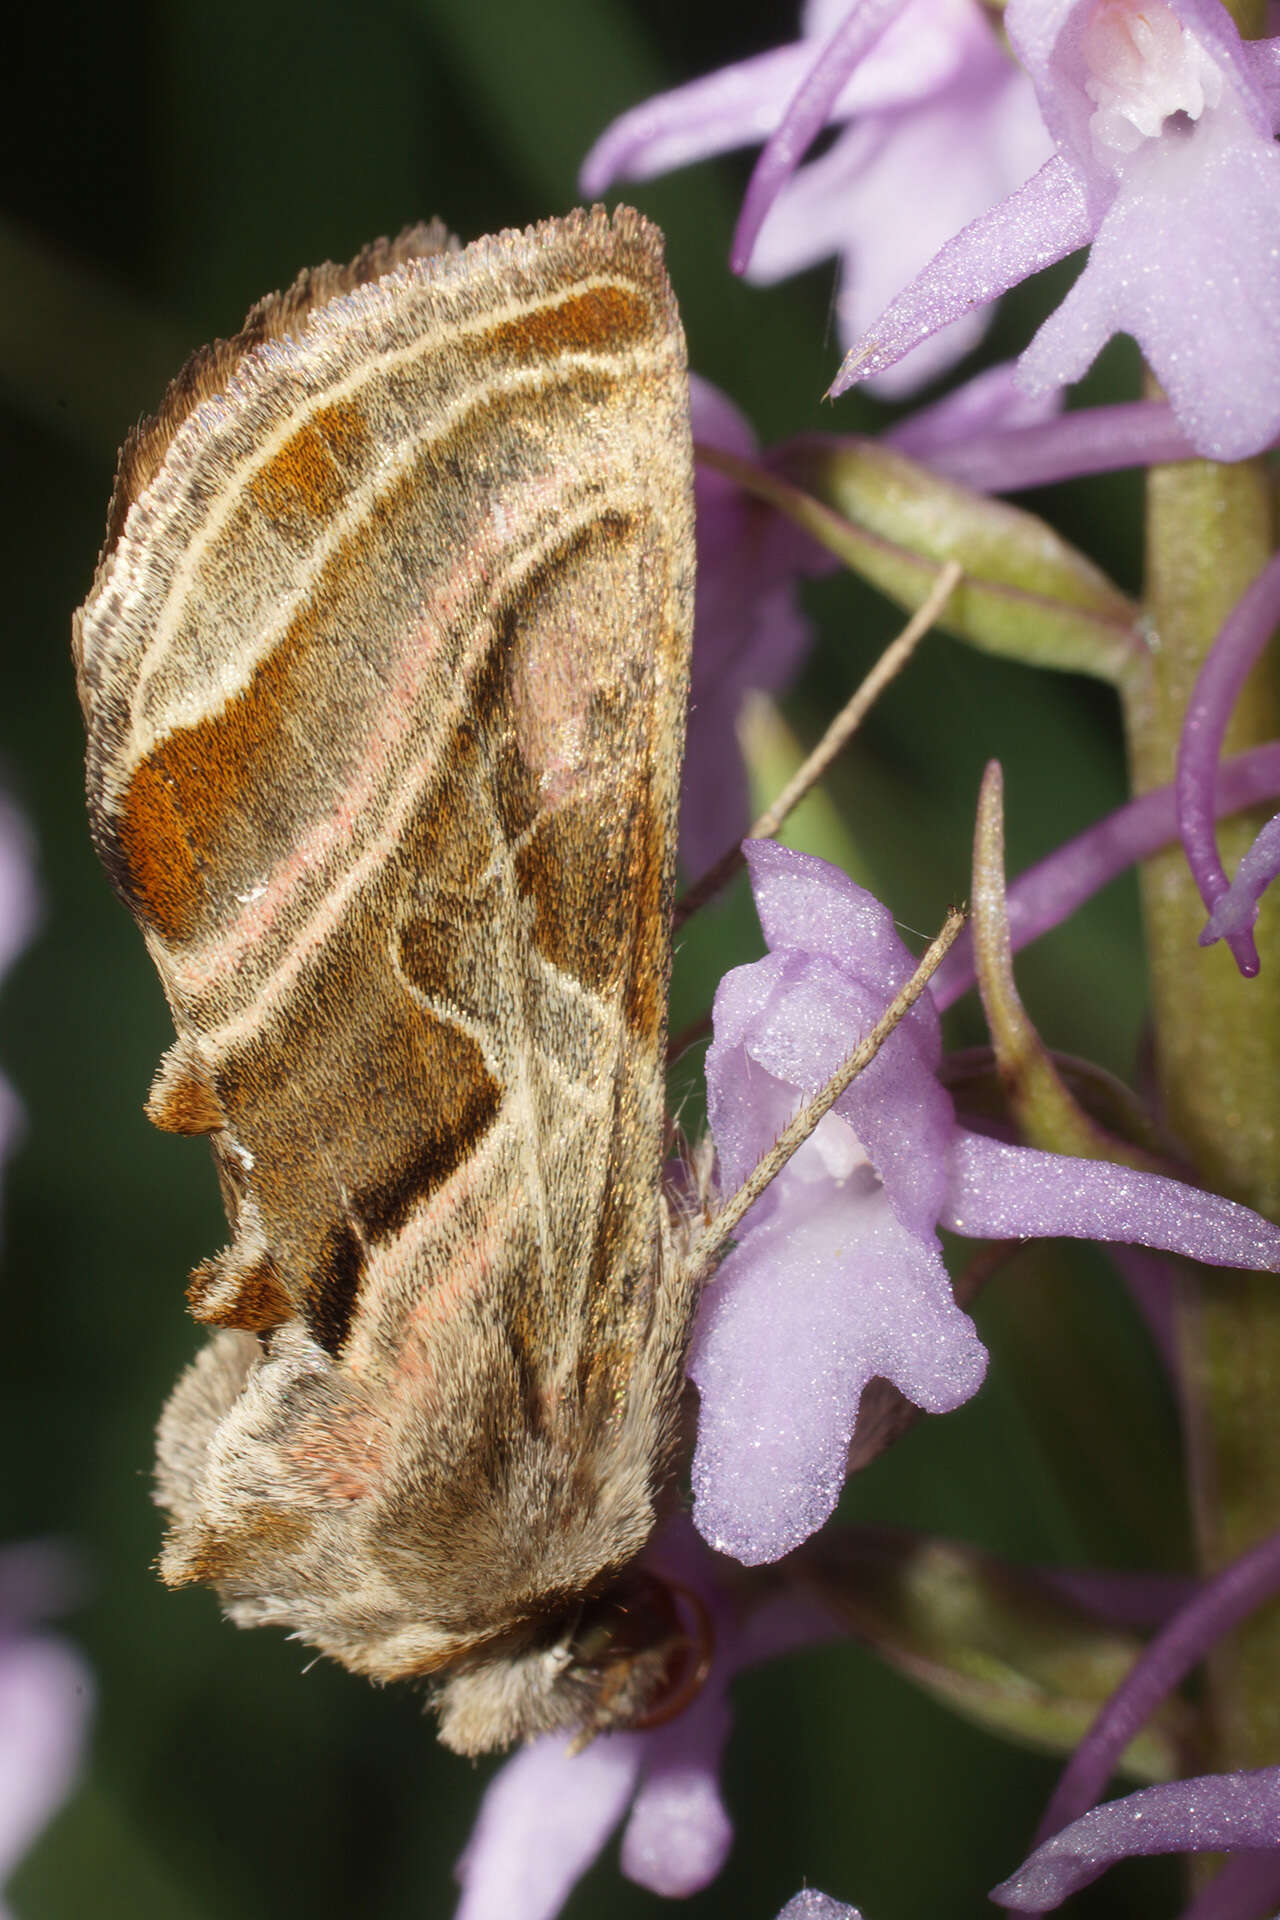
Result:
pixel 166 165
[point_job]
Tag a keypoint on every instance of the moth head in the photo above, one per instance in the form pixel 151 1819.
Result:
pixel 630 1656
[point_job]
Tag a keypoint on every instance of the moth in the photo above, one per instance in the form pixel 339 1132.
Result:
pixel 384 673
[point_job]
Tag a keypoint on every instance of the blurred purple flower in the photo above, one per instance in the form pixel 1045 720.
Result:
pixel 1163 118
pixel 46 1697
pixel 549 1811
pixel 1233 908
pixel 46 1692
pixel 18 914
pixel 749 631
pixel 837 1277
pixel 935 118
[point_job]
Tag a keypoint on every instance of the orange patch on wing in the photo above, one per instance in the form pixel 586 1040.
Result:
pixel 604 319
pixel 236 1289
pixel 163 877
pixel 188 801
pixel 308 476
pixel 648 952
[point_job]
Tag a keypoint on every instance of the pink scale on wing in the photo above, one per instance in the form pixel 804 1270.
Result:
pixel 340 1457
pixel 400 715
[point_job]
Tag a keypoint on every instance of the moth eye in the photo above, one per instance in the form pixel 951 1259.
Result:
pixel 650 1641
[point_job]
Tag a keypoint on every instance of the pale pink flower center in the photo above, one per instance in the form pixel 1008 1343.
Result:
pixel 1145 67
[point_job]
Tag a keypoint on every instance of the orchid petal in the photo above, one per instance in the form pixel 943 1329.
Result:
pixel 1046 35
pixel 812 1905
pixel 801 1017
pixel 805 116
pixel 733 107
pixel 717 422
pixel 797 1014
pixel 1197 290
pixel 1240 60
pixel 1218 1811
pixel 1043 221
pixel 544 1817
pixel 679 1834
pixel 781 1624
pixel 1006 458
pixel 991 403
pixel 824 209
pixel 1122 1599
pixel 927 159
pixel 1226 667
pixel 926 45
pixel 1263 57
pixel 801 1315
pixel 744 103
pixel 1001 1192
pixel 805 902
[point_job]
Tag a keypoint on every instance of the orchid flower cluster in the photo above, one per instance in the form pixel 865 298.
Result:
pixel 1143 130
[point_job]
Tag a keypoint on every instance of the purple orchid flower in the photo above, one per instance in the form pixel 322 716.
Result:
pixel 935 117
pixel 749 631
pixel 1162 118
pixel 837 1277
pixel 549 1811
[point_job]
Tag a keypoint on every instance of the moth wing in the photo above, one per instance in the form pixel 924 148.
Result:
pixel 385 677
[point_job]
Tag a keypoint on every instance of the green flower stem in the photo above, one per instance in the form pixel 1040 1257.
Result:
pixel 1209 531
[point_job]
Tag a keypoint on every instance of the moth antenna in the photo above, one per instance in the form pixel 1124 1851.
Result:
pixel 797 1130
pixel 833 741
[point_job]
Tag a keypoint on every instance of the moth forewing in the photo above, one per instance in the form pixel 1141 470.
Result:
pixel 384 672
